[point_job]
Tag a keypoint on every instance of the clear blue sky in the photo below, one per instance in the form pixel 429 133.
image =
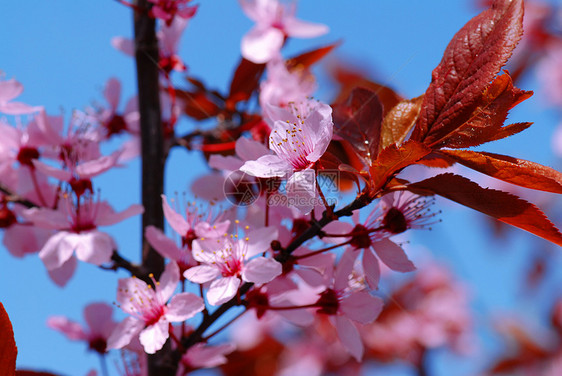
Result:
pixel 61 53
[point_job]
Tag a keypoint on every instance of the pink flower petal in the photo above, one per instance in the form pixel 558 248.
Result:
pixel 124 333
pixel 184 306
pixel 163 244
pixel 95 167
pixel 97 316
pixel 201 273
pixel 154 336
pixel 178 222
pixel 261 44
pixel 344 269
pixel 222 290
pixel 361 307
pixel 18 108
pixel 349 337
pixel 56 251
pixel 61 275
pixel 209 187
pixel 371 268
pixel 393 256
pixel 71 329
pixel 261 270
pixel 127 46
pixel 168 281
pixel 303 29
pixel 259 240
pixel 267 166
pixel 112 93
pixel 249 150
pixel 301 190
pixel 228 163
pixel 204 356
pixel 10 89
pixel 110 217
pixel 46 218
pixel 94 247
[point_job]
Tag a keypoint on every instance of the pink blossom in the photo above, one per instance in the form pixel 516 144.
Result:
pixel 300 136
pixel 283 86
pixel 204 356
pixel 112 121
pixel 226 261
pixel 150 311
pixel 394 214
pixel 274 22
pixel 77 224
pixel 347 304
pixel 99 322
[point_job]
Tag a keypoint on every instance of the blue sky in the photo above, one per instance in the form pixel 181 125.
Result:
pixel 60 51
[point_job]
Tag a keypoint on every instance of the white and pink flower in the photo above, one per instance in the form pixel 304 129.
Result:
pixel 226 262
pixel 150 311
pixel 300 136
pixel 274 22
pixel 100 325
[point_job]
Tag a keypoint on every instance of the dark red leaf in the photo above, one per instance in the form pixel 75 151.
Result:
pixel 306 59
pixel 8 349
pixel 244 82
pixel 349 79
pixel 504 206
pixel 393 159
pixel 399 121
pixel 358 121
pixel 486 123
pixel 512 170
pixel 472 59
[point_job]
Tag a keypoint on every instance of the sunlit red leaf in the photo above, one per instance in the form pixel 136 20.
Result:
pixel 393 159
pixel 306 59
pixel 501 205
pixel 512 170
pixel 399 121
pixel 358 121
pixel 349 79
pixel 244 82
pixel 8 349
pixel 472 59
pixel 486 123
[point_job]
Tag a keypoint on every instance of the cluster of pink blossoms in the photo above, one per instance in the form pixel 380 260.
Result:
pixel 50 207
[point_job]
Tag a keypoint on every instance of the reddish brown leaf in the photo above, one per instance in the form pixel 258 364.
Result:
pixel 486 123
pixel 504 206
pixel 471 60
pixel 349 79
pixel 358 121
pixel 198 104
pixel 512 170
pixel 393 159
pixel 306 59
pixel 435 160
pixel 399 121
pixel 8 349
pixel 244 82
